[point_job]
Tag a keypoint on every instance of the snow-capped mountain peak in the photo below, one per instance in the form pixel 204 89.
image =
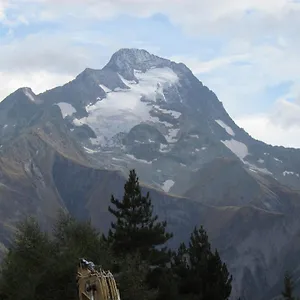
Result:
pixel 154 114
pixel 126 60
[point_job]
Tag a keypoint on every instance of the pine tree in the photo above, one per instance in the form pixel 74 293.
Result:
pixel 43 268
pixel 80 239
pixel 200 270
pixel 132 280
pixel 136 228
pixel 288 287
pixel 29 258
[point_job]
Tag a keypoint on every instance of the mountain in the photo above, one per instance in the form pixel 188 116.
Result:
pixel 154 114
pixel 72 146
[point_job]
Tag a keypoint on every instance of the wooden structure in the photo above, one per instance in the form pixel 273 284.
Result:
pixel 94 284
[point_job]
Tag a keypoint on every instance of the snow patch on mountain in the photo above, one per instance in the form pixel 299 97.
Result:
pixel 278 160
pixel 241 151
pixel 226 127
pixel 77 122
pixel 117 159
pixel 167 185
pixel 256 169
pixel 105 88
pixel 164 148
pixel 139 160
pixel 171 137
pixel 28 93
pixel 173 113
pixel 286 173
pixel 66 109
pixel 123 109
pixel 90 151
pixel 238 148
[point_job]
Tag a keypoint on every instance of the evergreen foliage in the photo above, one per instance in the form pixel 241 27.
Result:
pixel 27 263
pixel 39 267
pixel 43 266
pixel 288 288
pixel 200 271
pixel 136 228
pixel 132 279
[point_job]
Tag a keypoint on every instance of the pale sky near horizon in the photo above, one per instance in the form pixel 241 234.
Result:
pixel 246 51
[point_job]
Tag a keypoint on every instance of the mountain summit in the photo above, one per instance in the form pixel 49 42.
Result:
pixel 127 60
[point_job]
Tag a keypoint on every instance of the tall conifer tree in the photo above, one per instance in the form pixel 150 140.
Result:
pixel 201 273
pixel 288 287
pixel 136 228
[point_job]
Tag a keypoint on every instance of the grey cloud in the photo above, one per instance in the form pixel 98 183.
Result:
pixel 196 16
pixel 67 52
pixel 286 114
pixel 43 52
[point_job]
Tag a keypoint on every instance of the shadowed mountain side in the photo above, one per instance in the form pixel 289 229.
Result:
pixel 86 192
pixel 226 182
pixel 253 242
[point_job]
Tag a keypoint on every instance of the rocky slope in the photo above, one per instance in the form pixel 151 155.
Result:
pixel 72 146
pixel 227 182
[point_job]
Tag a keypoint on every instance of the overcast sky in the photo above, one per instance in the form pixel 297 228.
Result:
pixel 246 51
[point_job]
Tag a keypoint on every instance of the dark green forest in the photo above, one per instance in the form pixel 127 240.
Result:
pixel 43 266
